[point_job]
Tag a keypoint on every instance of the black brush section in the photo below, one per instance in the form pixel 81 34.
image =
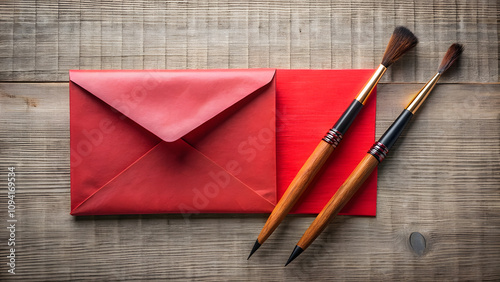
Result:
pixel 256 246
pixel 394 131
pixel 296 252
pixel 348 117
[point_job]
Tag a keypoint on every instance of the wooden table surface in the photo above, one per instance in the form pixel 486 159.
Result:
pixel 442 179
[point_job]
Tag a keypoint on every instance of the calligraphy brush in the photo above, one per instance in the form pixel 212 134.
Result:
pixel 401 41
pixel 374 156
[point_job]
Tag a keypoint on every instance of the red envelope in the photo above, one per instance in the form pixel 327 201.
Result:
pixel 204 140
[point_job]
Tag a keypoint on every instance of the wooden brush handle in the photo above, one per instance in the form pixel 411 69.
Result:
pixel 299 184
pixel 338 201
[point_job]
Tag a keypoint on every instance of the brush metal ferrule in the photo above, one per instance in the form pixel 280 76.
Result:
pixel 367 89
pixel 422 94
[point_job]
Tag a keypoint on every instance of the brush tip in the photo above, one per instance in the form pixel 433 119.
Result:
pixel 295 253
pixel 450 57
pixel 401 41
pixel 256 246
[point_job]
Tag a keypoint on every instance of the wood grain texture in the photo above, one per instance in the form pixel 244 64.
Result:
pixel 42 40
pixel 441 179
pixel 339 200
pixel 297 187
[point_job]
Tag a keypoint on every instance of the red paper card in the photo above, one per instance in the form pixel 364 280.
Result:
pixel 308 103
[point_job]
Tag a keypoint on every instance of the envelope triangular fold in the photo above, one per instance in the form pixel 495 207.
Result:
pixel 150 186
pixel 171 103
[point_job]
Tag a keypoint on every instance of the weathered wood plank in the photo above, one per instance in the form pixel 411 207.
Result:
pixel 299 38
pixel 279 35
pixel 69 37
pixel 112 46
pixel 441 179
pixel 42 40
pixel 176 33
pixel 341 35
pixel 155 35
pixel 259 36
pixel 320 38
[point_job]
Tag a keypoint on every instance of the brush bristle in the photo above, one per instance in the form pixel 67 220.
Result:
pixel 450 57
pixel 402 40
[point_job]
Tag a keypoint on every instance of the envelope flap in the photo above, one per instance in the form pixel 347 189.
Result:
pixel 171 103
